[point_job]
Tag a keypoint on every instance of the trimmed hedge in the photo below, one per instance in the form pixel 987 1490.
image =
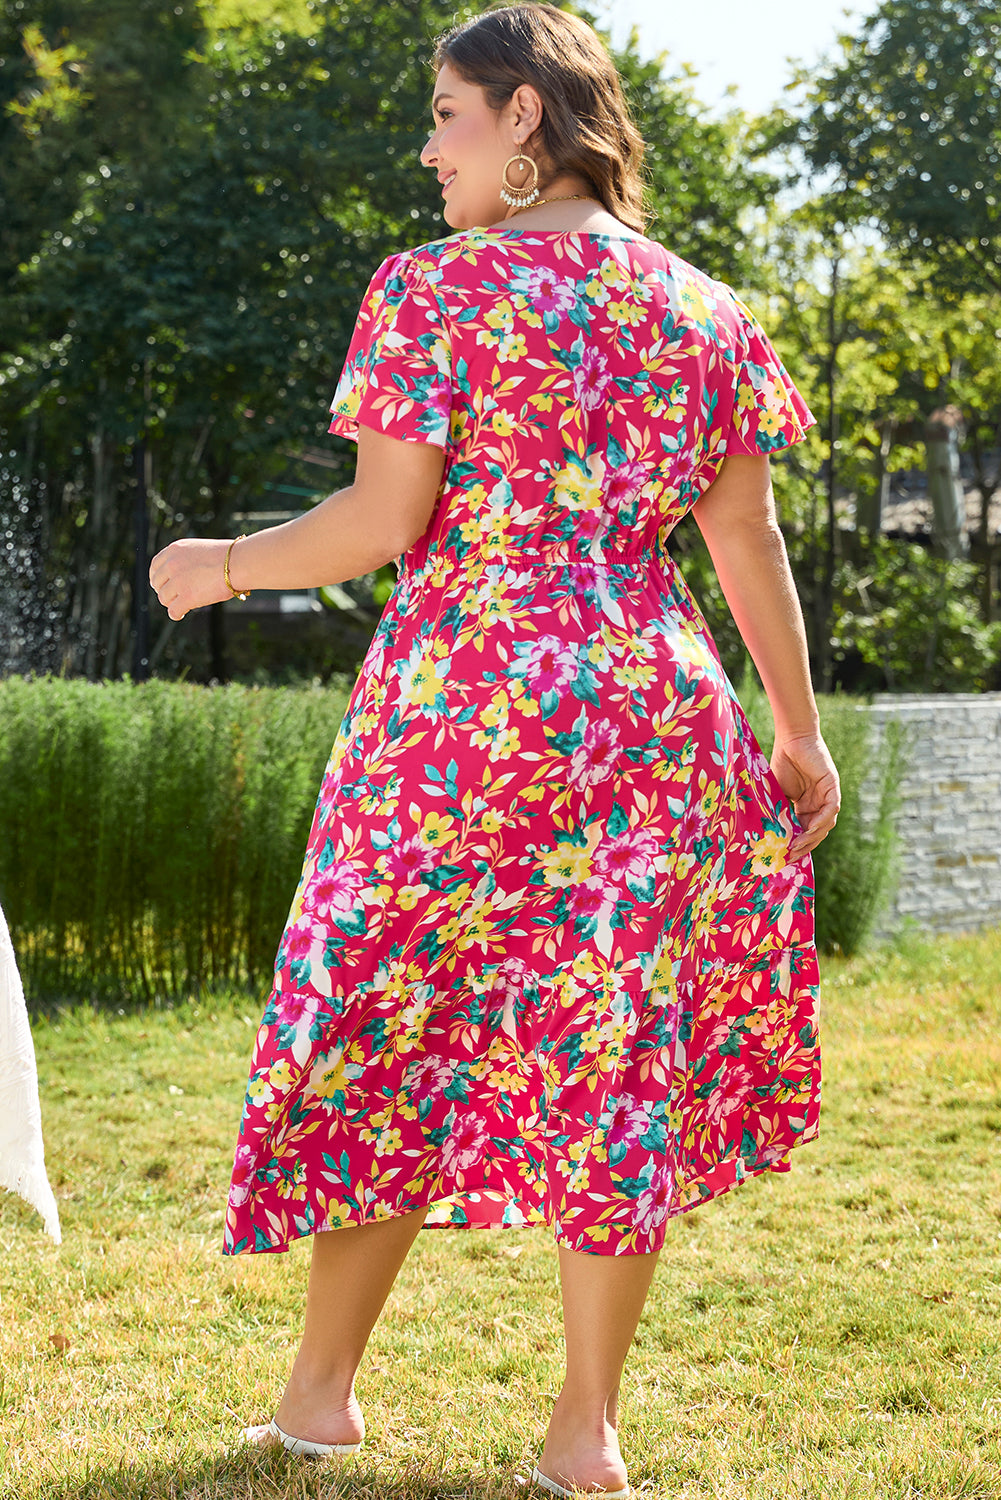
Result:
pixel 151 836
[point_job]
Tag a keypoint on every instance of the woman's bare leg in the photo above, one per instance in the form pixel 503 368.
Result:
pixel 350 1276
pixel 603 1296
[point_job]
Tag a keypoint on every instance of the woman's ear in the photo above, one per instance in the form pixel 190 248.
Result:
pixel 526 109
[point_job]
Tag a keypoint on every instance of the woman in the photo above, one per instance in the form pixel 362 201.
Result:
pixel 551 956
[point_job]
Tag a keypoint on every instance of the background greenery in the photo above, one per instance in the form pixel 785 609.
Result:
pixel 829 1334
pixel 153 833
pixel 194 194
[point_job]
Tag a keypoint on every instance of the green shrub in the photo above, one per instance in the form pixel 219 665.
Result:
pixel 153 835
pixel 914 621
pixel 855 866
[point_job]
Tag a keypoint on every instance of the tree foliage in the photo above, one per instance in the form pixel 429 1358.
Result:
pixel 910 121
pixel 194 196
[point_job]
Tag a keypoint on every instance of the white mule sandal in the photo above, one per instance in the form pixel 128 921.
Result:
pixel 300 1447
pixel 540 1479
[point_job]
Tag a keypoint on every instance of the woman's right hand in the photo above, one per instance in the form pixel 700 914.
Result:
pixel 806 773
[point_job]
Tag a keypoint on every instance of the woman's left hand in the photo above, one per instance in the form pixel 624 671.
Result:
pixel 189 575
pixel 806 773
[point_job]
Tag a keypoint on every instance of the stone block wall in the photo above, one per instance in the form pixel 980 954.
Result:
pixel 949 819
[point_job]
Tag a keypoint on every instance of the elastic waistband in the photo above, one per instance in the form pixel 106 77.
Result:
pixel 416 568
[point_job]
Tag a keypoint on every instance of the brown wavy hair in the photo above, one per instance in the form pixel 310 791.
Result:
pixel 586 126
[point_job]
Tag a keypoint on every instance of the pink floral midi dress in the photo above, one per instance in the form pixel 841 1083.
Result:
pixel 548 961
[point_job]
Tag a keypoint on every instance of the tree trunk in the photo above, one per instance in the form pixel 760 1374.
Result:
pixel 945 488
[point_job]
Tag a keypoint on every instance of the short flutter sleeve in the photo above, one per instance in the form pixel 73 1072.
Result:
pixel 768 413
pixel 397 375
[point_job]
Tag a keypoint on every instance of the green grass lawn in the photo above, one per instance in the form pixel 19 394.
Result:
pixel 833 1332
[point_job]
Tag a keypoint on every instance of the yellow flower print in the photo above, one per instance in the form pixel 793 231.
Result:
pixel 294 1187
pixel 768 852
pixel 456 901
pixel 567 864
pixel 491 821
pixel 584 966
pixel 542 402
pixel 745 395
pixel 523 701
pixel 389 1142
pixel 472 530
pixel 693 650
pixel 662 973
pixel 425 683
pixel 592 1040
pixel 626 312
pixel 500 316
pixel 496 712
pixel 259 1089
pixel 514 346
pixel 502 423
pixel 438 830
pixel 636 674
pixel 575 490
pixel 613 275
pixel 693 302
pixel 579 1180
pixel 407 897
pixel 534 793
pixel 332 1073
pixel 771 422
pixel 280 1075
pixel 507 743
pixel 450 931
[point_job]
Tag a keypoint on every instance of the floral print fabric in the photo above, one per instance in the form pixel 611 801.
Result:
pixel 548 961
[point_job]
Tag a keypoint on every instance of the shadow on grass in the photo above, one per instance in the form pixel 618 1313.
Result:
pixel 274 1476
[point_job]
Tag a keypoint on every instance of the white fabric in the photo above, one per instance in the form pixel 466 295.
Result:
pixel 22 1157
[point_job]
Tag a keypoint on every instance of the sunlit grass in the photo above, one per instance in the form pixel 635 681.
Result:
pixel 830 1333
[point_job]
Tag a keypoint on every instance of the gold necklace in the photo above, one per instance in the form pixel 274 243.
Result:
pixel 539 202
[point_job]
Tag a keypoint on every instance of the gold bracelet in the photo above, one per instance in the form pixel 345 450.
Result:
pixel 225 570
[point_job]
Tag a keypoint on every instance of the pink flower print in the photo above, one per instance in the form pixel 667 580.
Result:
pixel 591 378
pixel 592 524
pixel 625 1119
pixel 406 859
pixel 546 291
pixel 691 827
pixel 243 1171
pixel 298 942
pixel 548 665
pixel 333 892
pixel 628 856
pixel 650 1208
pixel 736 1085
pixel 464 1147
pixel 591 899
pixel 594 759
pixel 624 483
pixel 296 1006
pixel 428 1077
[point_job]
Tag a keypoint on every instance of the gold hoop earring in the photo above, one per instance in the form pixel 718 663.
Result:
pixel 523 196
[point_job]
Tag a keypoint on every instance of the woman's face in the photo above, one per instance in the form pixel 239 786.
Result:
pixel 470 143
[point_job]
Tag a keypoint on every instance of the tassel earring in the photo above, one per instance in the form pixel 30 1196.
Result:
pixel 523 196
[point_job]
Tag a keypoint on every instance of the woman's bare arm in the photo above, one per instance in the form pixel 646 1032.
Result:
pixel 380 515
pixel 737 518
